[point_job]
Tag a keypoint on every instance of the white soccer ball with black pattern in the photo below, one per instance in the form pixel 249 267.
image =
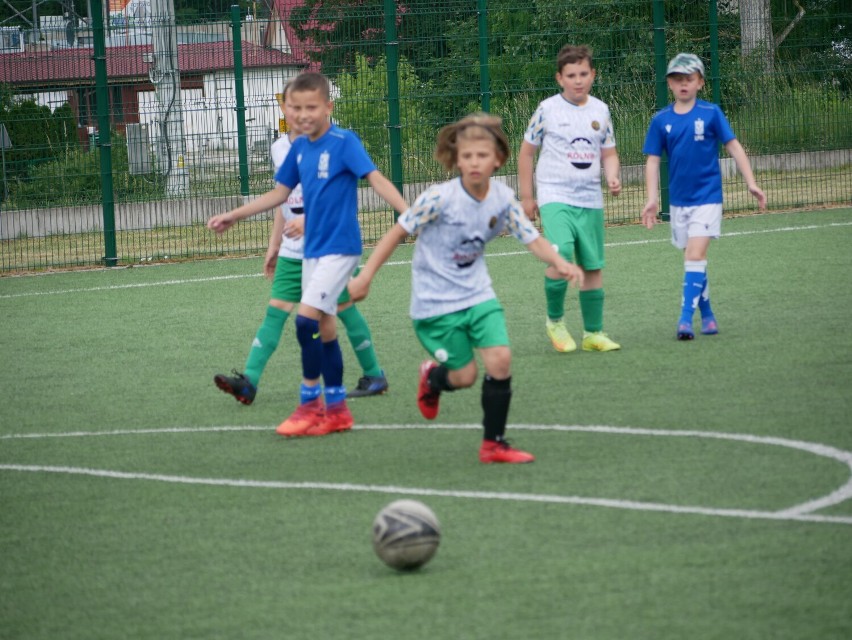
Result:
pixel 406 534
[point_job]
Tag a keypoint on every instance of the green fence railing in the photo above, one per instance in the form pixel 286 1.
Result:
pixel 178 125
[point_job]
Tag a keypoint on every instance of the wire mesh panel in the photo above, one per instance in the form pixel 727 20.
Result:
pixel 192 101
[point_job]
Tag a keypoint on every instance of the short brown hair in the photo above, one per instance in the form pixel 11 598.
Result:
pixel 571 54
pixel 309 81
pixel 476 126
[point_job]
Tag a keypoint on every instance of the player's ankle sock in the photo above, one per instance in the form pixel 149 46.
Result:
pixel 265 342
pixel 554 293
pixel 306 393
pixel 333 395
pixel 592 305
pixel 362 341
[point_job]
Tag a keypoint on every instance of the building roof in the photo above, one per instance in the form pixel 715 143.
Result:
pixel 62 66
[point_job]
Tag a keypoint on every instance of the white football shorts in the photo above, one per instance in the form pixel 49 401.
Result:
pixel 324 279
pixel 702 221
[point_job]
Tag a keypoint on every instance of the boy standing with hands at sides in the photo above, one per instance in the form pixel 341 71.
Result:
pixel 328 162
pixel 453 304
pixel 689 131
pixel 574 132
pixel 283 265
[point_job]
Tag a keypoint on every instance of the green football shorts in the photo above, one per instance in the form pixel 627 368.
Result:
pixel 450 339
pixel 577 233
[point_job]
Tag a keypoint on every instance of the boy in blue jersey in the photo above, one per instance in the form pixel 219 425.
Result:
pixel 689 132
pixel 327 162
pixel 283 265
pixel 453 304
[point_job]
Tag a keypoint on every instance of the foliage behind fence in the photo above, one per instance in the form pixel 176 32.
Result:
pixel 400 72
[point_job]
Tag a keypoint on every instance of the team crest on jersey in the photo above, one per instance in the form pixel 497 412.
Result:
pixel 596 125
pixel 322 165
pixel 493 222
pixel 699 129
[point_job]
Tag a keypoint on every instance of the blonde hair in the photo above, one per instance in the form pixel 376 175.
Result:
pixel 476 126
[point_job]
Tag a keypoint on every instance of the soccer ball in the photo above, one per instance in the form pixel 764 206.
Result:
pixel 406 534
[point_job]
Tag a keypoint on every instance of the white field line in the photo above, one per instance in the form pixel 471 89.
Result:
pixel 802 512
pixel 137 285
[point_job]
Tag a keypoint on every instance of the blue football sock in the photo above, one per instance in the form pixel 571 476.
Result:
pixel 704 300
pixel 693 285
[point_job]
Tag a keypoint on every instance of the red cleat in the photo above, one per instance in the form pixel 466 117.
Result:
pixel 500 451
pixel 337 418
pixel 427 400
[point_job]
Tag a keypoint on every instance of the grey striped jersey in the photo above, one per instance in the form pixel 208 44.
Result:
pixel 452 227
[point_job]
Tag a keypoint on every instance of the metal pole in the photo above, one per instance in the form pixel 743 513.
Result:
pixel 394 123
pixel 165 76
pixel 662 95
pixel 239 94
pixel 104 136
pixel 715 80
pixel 484 70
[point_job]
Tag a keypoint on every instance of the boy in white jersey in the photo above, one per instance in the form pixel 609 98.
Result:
pixel 689 132
pixel 283 265
pixel 453 304
pixel 574 132
pixel 327 162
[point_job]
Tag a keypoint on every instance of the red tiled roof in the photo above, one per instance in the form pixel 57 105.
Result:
pixel 69 65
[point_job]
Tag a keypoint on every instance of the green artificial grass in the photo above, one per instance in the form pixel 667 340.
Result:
pixel 137 500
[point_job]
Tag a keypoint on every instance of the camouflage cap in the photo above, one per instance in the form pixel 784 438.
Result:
pixel 685 63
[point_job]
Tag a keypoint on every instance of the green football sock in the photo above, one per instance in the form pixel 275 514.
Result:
pixel 361 340
pixel 265 342
pixel 591 306
pixel 554 293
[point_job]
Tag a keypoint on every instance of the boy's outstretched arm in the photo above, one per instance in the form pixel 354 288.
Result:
pixel 544 251
pixel 269 200
pixel 652 187
pixel 526 159
pixel 736 151
pixel 359 286
pixel 271 259
pixel 386 189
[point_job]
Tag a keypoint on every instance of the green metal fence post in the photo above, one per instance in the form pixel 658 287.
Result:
pixel 662 94
pixel 394 123
pixel 715 80
pixel 239 95
pixel 104 136
pixel 484 71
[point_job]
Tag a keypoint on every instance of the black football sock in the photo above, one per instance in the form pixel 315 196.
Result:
pixel 496 397
pixel 439 380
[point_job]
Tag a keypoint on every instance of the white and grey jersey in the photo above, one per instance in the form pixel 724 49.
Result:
pixel 452 227
pixel 571 138
pixel 290 247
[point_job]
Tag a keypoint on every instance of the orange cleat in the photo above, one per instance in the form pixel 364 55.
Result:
pixel 306 418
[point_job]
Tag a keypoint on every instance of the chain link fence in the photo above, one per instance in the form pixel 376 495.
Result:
pixel 121 134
